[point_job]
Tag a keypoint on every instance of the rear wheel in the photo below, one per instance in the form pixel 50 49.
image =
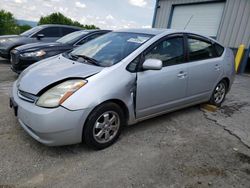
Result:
pixel 103 126
pixel 219 93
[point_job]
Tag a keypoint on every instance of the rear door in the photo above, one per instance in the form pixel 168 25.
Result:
pixel 204 67
pixel 161 90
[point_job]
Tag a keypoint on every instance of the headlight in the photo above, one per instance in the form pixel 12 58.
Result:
pixel 3 40
pixel 59 93
pixel 34 54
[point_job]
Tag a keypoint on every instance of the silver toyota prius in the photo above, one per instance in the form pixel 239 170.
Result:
pixel 119 79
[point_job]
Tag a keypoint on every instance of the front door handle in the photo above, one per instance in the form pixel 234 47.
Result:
pixel 181 74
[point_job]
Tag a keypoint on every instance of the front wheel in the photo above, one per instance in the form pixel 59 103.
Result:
pixel 103 126
pixel 219 93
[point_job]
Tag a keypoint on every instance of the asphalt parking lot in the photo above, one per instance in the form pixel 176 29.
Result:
pixel 188 148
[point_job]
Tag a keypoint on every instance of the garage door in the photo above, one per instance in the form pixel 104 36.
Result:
pixel 201 18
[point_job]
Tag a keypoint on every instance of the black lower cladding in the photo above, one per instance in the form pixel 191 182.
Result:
pixel 14 106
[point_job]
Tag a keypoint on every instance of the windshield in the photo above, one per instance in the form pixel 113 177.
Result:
pixel 111 48
pixel 31 31
pixel 72 37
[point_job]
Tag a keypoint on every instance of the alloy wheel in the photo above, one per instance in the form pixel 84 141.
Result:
pixel 106 127
pixel 219 93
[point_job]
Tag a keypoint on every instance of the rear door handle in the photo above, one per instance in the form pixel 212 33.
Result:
pixel 217 67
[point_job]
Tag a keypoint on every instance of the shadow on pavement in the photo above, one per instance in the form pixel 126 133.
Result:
pixel 4 61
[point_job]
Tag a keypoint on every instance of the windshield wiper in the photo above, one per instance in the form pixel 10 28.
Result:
pixel 71 56
pixel 89 59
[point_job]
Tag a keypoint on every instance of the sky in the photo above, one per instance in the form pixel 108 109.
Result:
pixel 106 14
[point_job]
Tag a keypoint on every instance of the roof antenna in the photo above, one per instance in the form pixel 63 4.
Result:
pixel 188 22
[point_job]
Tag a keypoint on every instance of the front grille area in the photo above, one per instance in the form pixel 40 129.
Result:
pixel 14 57
pixel 27 96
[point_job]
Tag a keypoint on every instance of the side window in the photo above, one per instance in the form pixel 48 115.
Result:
pixel 66 30
pixel 200 50
pixel 89 38
pixel 50 32
pixel 170 51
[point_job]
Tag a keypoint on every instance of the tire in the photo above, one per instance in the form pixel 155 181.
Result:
pixel 219 93
pixel 105 120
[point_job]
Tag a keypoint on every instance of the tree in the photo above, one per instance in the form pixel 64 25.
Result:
pixel 7 23
pixel 23 28
pixel 59 18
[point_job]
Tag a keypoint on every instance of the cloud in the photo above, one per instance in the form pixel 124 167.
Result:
pixel 138 3
pixel 80 5
pixel 94 13
pixel 109 17
pixel 20 1
pixel 146 26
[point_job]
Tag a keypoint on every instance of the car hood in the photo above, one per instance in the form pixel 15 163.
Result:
pixel 39 46
pixel 10 39
pixel 51 70
pixel 9 36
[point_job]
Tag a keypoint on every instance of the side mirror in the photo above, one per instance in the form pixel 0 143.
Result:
pixel 152 64
pixel 39 36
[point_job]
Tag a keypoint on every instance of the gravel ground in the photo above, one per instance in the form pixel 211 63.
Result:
pixel 188 148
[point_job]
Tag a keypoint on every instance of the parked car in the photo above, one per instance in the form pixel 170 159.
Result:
pixel 23 56
pixel 42 33
pixel 120 78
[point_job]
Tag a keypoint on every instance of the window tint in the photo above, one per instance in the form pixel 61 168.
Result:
pixel 200 50
pixel 50 32
pixel 89 38
pixel 66 31
pixel 170 51
pixel 72 37
pixel 31 31
pixel 219 49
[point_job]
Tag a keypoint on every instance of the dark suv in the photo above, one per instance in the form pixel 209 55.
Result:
pixel 42 33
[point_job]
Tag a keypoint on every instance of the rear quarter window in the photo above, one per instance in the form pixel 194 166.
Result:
pixel 219 49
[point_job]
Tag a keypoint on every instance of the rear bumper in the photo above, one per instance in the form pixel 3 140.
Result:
pixel 50 126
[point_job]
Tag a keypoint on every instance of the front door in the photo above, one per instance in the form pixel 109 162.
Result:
pixel 51 34
pixel 161 90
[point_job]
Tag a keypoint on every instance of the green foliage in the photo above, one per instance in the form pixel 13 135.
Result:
pixel 8 24
pixel 59 18
pixel 23 28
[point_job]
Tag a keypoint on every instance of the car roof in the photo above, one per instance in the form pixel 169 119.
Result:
pixel 96 30
pixel 150 31
pixel 59 25
pixel 157 31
